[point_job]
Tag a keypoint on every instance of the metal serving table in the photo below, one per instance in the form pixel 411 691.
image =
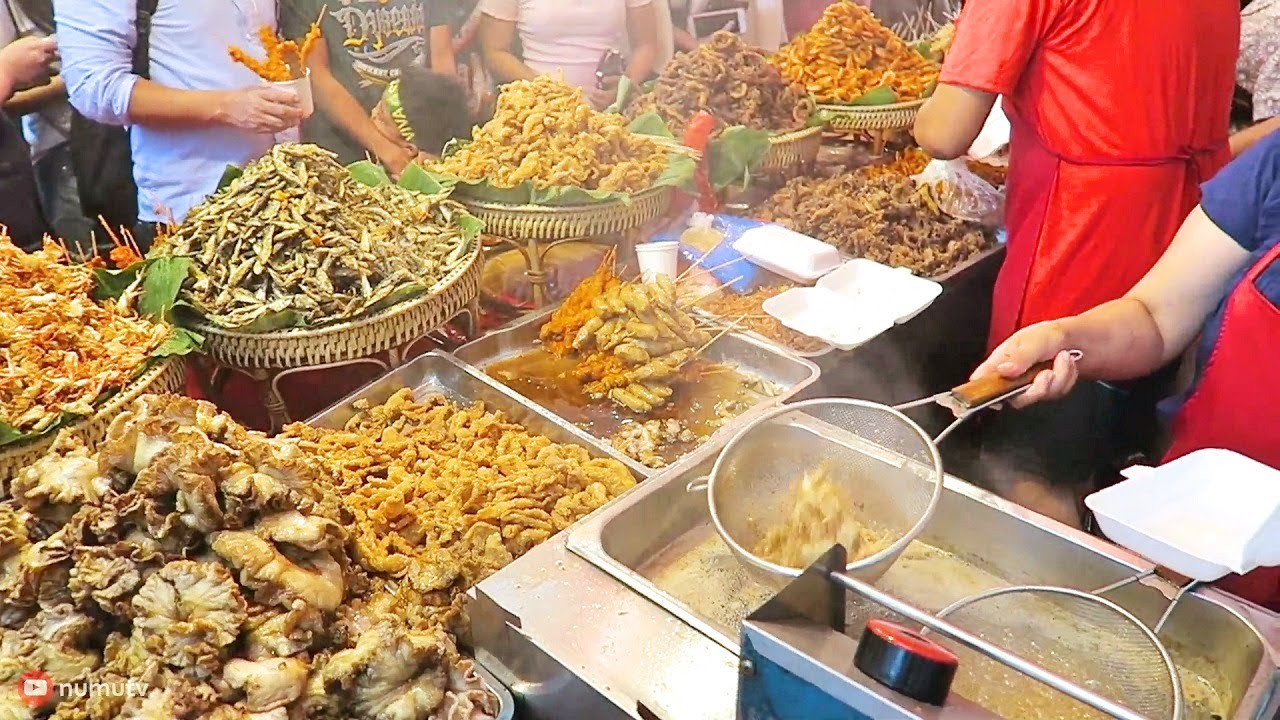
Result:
pixel 583 627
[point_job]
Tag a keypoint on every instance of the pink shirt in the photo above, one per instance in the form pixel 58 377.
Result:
pixel 566 35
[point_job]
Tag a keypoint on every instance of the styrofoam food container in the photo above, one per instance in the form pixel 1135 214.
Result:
pixel 788 253
pixel 301 86
pixel 658 258
pixel 895 291
pixel 817 312
pixel 1204 515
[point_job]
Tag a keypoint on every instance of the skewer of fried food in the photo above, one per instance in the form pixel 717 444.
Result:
pixel 698 262
pixel 728 329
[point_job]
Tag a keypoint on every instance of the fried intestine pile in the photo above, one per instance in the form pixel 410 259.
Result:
pixel 729 79
pixel 544 132
pixel 441 496
pixel 884 218
pixel 206 567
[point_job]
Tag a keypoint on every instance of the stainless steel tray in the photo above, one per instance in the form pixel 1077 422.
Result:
pixel 439 372
pixel 757 357
pixel 661 535
pixel 506 703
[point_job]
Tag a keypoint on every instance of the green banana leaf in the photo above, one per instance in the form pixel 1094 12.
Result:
pixel 368 173
pixel 229 175
pixel 883 95
pixel 734 154
pixel 625 86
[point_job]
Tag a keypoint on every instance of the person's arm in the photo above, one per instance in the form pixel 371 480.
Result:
pixel 24 61
pixel 994 40
pixel 96 40
pixel 496 38
pixel 951 120
pixel 25 102
pixel 440 39
pixel 1249 136
pixel 344 111
pixel 642 30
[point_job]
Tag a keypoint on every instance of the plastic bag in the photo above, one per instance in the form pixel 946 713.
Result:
pixel 962 194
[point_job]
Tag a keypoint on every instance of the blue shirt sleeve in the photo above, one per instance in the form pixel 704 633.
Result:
pixel 1243 200
pixel 95 40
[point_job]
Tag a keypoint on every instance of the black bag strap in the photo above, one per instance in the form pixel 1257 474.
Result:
pixel 142 45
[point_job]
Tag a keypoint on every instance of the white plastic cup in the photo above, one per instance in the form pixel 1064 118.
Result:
pixel 658 258
pixel 302 88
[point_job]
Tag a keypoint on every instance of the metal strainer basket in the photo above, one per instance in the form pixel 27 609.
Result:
pixel 1079 637
pixel 877 458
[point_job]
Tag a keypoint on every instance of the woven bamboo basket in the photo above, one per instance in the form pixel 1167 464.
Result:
pixel 166 376
pixel 873 117
pixel 574 222
pixel 353 339
pixel 792 150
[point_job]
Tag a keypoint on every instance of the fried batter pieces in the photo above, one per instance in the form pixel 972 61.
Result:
pixel 732 81
pixel 849 53
pixel 60 349
pixel 543 131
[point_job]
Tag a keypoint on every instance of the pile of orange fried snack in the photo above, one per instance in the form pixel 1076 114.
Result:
pixel 849 53
pixel 60 349
pixel 285 59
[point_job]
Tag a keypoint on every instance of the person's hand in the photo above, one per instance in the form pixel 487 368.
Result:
pixel 395 157
pixel 261 109
pixel 25 61
pixel 1031 345
pixel 605 95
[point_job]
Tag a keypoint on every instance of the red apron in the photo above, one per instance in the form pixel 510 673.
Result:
pixel 1235 404
pixel 1075 240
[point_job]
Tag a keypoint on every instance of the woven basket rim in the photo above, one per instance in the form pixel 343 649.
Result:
pixel 404 306
pixel 109 408
pixel 872 109
pixel 557 210
pixel 795 136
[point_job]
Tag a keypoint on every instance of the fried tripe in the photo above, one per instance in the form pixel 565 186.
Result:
pixel 544 132
pixel 60 349
pixel 443 494
pixel 849 52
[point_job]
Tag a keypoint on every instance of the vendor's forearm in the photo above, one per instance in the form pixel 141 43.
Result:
pixel 37 98
pixel 506 67
pixel 1120 340
pixel 1247 137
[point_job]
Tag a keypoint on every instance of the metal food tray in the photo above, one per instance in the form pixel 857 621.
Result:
pixel 439 372
pixel 753 356
pixel 506 703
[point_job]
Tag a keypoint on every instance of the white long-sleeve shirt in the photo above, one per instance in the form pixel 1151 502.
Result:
pixel 175 168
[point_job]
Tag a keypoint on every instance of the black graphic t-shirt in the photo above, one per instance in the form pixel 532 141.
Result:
pixel 368 42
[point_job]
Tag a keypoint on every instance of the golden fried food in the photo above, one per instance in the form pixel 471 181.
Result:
pixel 820 517
pixel 729 79
pixel 61 350
pixel 285 60
pixel 440 491
pixel 849 52
pixel 886 219
pixel 544 132
pixel 906 163
pixel 748 311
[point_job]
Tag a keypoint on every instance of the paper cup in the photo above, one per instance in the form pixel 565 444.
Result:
pixel 658 258
pixel 301 87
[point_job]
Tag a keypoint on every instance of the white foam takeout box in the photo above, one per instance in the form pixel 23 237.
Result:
pixel 853 304
pixel 792 255
pixel 1204 515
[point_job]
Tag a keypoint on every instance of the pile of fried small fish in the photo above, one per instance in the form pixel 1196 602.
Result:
pixel 849 53
pixel 544 132
pixel 204 572
pixel 441 496
pixel 631 338
pixel 886 218
pixel 729 79
pixel 60 349
pixel 297 234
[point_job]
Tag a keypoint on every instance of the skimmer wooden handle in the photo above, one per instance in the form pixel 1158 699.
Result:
pixel 985 389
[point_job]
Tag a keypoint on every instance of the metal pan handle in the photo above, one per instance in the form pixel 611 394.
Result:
pixel 697 485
